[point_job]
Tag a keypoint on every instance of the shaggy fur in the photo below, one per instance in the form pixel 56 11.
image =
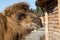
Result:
pixel 16 23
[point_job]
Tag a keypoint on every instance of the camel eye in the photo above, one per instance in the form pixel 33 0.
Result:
pixel 25 8
pixel 21 16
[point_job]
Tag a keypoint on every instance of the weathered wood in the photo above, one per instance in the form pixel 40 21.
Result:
pixel 53 9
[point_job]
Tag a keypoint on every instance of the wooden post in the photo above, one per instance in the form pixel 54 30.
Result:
pixel 46 25
pixel 59 12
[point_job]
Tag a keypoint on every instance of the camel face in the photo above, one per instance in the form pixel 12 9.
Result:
pixel 17 21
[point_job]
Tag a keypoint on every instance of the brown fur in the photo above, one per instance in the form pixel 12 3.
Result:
pixel 12 27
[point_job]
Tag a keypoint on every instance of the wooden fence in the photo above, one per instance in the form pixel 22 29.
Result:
pixel 52 23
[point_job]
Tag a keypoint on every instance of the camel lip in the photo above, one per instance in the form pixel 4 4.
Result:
pixel 29 30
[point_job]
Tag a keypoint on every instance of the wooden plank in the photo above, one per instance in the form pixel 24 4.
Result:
pixel 59 12
pixel 46 24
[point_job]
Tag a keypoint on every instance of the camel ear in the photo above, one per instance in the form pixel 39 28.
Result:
pixel 6 13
